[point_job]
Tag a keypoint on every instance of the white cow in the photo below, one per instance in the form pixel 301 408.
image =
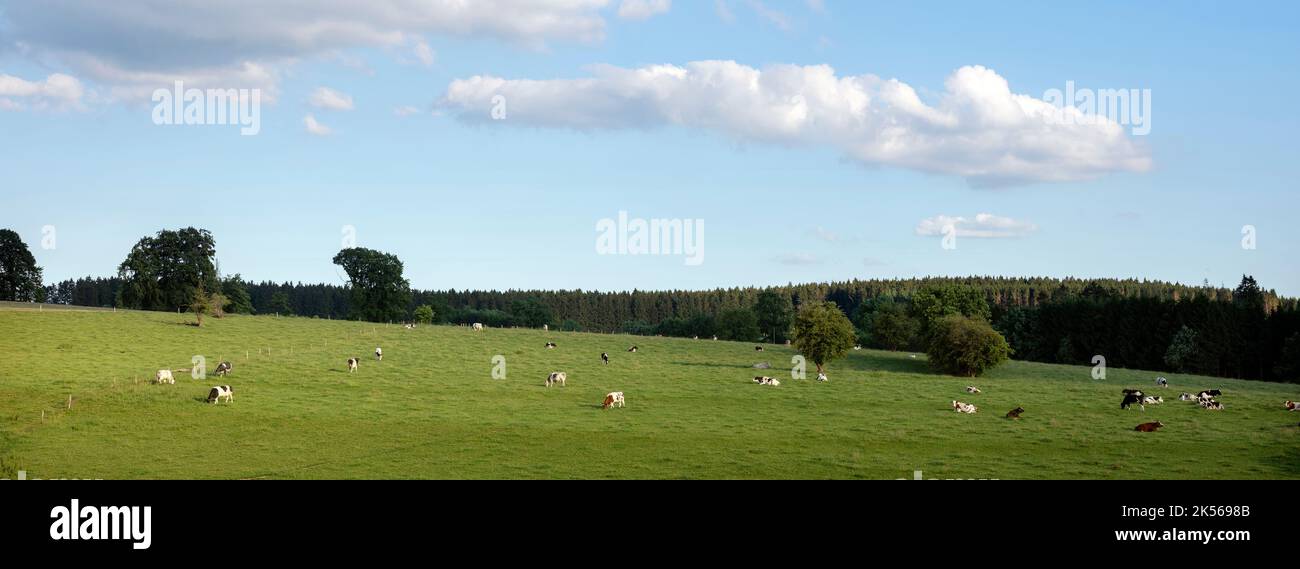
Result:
pixel 1149 400
pixel 379 354
pixel 164 376
pixel 960 407
pixel 764 380
pixel 352 364
pixel 556 377
pixel 478 327
pixel 613 399
pixel 972 389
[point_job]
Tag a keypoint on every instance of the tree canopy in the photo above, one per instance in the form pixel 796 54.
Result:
pixel 379 291
pixel 162 272
pixel 822 333
pixel 20 278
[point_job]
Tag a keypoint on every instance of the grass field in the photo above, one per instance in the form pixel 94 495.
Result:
pixel 431 409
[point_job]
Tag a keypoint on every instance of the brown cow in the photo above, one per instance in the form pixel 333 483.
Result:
pixel 1148 427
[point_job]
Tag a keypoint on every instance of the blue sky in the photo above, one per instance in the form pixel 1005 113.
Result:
pixel 419 169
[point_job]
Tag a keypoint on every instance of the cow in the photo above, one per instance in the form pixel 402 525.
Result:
pixel 352 364
pixel 1015 413
pixel 1137 392
pixel 855 348
pixel 556 377
pixel 224 368
pixel 478 327
pixel 1131 398
pixel 546 327
pixel 764 380
pixel 1187 397
pixel 758 348
pixel 1211 405
pixel 1149 400
pixel 550 345
pixel 633 349
pixel 613 399
pixel 972 389
pixel 604 357
pixel 379 354
pixel 221 392
pixel 1208 394
pixel 164 376
pixel 1148 427
pixel 960 407
pixel 822 377
pixel 1162 382
pixel 1291 406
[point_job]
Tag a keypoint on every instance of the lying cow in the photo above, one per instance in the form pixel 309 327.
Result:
pixel 1291 406
pixel 1211 405
pixel 764 380
pixel 352 364
pixel 632 349
pixel 1015 413
pixel 960 407
pixel 224 368
pixel 1149 400
pixel 758 348
pixel 822 377
pixel 1162 382
pixel 1148 427
pixel 613 399
pixel 1187 397
pixel 556 377
pixel 972 389
pixel 221 392
pixel 164 377
pixel 550 345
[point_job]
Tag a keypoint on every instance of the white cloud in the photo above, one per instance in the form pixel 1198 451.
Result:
pixel 776 17
pixel 797 259
pixel 724 11
pixel 983 225
pixel 424 54
pixel 136 47
pixel 55 92
pixel 316 128
pixel 406 111
pixel 818 6
pixel 329 99
pixel 977 128
pixel 643 9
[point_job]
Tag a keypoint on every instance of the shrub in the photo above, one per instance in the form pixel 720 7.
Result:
pixel 965 347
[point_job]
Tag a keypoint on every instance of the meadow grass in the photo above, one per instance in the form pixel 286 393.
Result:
pixel 431 409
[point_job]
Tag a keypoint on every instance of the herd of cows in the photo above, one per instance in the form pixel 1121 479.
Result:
pixel 1205 398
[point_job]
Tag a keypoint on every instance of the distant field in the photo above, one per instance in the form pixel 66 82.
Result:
pixel 432 410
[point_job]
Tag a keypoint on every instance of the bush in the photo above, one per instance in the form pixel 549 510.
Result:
pixel 823 333
pixel 424 314
pixel 965 347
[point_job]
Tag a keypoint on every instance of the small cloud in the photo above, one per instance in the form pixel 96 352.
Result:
pixel 983 226
pixel 406 111
pixel 776 17
pixel 424 54
pixel 643 9
pixel 818 6
pixel 329 99
pixel 797 259
pixel 315 127
pixel 724 11
pixel 57 92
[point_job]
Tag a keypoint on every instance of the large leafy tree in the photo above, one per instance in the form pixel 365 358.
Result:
pixel 236 293
pixel 775 314
pixel 822 333
pixel 164 271
pixel 964 346
pixel 890 327
pixel 20 278
pixel 934 302
pixel 379 292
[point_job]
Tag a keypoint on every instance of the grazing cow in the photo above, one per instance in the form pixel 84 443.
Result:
pixel 613 399
pixel 604 357
pixel 478 327
pixel 379 354
pixel 1148 427
pixel 556 377
pixel 224 368
pixel 550 345
pixel 1208 394
pixel 972 389
pixel 352 364
pixel 1149 400
pixel 1162 382
pixel 960 407
pixel 1015 413
pixel 546 327
pixel 1291 406
pixel 221 392
pixel 632 349
pixel 1131 398
pixel 164 376
pixel 822 377
pixel 1187 397
pixel 758 348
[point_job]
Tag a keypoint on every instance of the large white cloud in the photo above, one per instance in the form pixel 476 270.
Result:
pixel 977 128
pixel 982 226
pixel 131 44
pixel 57 91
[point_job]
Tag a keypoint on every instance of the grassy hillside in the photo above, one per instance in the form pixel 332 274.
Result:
pixel 432 410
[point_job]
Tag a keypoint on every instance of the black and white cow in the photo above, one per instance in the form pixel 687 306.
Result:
pixel 632 349
pixel 224 368
pixel 604 357
pixel 379 354
pixel 221 392
pixel 1162 382
pixel 550 345
pixel 758 348
pixel 1131 397
pixel 352 364
pixel 556 377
